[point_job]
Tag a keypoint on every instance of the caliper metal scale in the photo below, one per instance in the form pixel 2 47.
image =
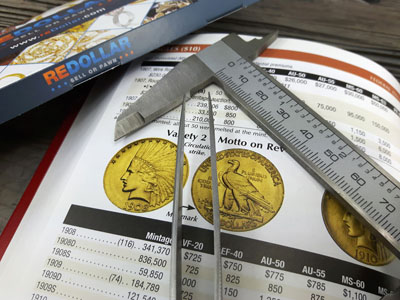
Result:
pixel 367 190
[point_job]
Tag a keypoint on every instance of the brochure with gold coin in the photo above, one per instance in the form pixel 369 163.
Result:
pixel 81 39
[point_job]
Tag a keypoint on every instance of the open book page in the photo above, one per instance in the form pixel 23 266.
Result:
pixel 99 225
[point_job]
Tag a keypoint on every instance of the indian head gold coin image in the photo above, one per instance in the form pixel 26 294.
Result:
pixel 351 235
pixel 250 190
pixel 140 177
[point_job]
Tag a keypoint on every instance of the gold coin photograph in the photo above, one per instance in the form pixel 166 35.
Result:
pixel 250 189
pixel 140 177
pixel 351 235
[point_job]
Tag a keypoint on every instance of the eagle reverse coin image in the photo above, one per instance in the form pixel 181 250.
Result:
pixel 250 189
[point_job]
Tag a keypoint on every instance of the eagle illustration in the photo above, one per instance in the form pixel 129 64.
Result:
pixel 240 191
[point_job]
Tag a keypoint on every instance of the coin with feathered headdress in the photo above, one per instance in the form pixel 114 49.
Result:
pixel 352 236
pixel 140 177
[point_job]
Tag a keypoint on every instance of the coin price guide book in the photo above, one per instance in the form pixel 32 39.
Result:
pixel 99 224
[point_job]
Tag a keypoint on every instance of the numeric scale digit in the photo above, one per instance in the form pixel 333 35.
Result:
pixel 365 188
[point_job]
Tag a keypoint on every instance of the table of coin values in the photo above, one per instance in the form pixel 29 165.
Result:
pixel 120 256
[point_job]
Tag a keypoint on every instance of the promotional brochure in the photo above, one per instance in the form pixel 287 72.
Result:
pixel 80 40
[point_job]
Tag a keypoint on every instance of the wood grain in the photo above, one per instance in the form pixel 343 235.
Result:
pixel 372 30
pixel 339 21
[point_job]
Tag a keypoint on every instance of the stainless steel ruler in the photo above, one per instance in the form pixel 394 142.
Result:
pixel 365 188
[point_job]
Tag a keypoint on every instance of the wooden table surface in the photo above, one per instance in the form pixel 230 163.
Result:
pixel 370 28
